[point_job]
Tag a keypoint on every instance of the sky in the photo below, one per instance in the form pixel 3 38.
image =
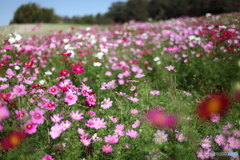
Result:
pixel 61 7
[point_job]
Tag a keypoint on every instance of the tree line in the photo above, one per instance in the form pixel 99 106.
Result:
pixel 120 12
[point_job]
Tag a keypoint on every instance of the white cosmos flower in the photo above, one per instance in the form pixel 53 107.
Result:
pixel 65 40
pixel 97 64
pixel 16 67
pixel 156 59
pixel 99 55
pixel 42 81
pixel 48 73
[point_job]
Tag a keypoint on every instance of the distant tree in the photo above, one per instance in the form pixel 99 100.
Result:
pixel 116 12
pixel 137 10
pixel 33 13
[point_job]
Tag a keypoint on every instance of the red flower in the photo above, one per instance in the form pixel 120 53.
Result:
pixel 64 72
pixel 65 53
pixel 13 140
pixel 5 96
pixel 215 103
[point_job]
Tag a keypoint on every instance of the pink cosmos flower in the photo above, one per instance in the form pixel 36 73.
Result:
pixel 53 90
pixel 47 157
pixel 173 49
pixel 139 75
pixel 90 123
pixel 19 90
pixel 30 127
pixel 63 85
pixel 118 132
pixel 236 133
pixel 120 126
pixel 91 101
pixel 77 69
pixel 215 117
pixel 132 133
pixel 107 148
pixel 133 88
pixel 133 99
pixel 4 86
pixel 85 90
pixel 203 153
pixel 206 143
pixel 21 114
pixel 113 119
pixel 4 113
pixel 98 123
pixel 76 115
pixel 70 98
pixel 154 92
pixel 66 124
pixel 170 68
pixel 108 73
pixel 127 145
pixel 160 137
pixel 106 103
pixel 136 124
pixel 134 111
pixel 50 105
pixel 56 131
pixel 180 137
pixel 91 113
pixel 28 64
pixel 64 72
pixel 86 142
pixel 37 116
pixel 1 126
pixel 10 73
pixel 111 139
pixel 80 131
pixel 56 118
pixel 234 143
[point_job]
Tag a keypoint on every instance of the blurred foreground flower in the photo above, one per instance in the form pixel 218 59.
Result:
pixel 213 104
pixel 158 118
pixel 13 140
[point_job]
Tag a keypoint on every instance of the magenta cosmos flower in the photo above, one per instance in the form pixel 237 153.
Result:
pixel 91 113
pixel 37 116
pixel 47 157
pixel 53 90
pixel 111 139
pixel 132 133
pixel 107 148
pixel 30 127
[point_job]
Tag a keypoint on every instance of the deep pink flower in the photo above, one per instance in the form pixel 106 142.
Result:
pixel 47 157
pixel 28 64
pixel 91 101
pixel 91 113
pixel 107 148
pixel 64 72
pixel 50 105
pixel 78 69
pixel 37 116
pixel 53 90
pixel 30 127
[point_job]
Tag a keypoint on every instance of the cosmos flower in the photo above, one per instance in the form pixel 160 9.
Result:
pixel 111 139
pixel 37 116
pixel 30 127
pixel 12 140
pixel 132 133
pixel 107 148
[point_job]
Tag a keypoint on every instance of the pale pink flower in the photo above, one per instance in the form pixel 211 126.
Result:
pixel 206 143
pixel 21 114
pixel 37 116
pixel 134 111
pixel 180 137
pixel 56 131
pixel 106 103
pixel 56 118
pixel 136 124
pixel 133 88
pixel 111 139
pixel 215 117
pixel 170 68
pixel 133 99
pixel 160 137
pixel 120 126
pixel 154 92
pixel 234 143
pixel 70 98
pixel 98 123
pixel 76 115
pixel 91 113
pixel 113 119
pixel 132 133
pixel 81 131
pixel 119 132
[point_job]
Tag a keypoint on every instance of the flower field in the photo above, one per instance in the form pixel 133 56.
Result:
pixel 167 90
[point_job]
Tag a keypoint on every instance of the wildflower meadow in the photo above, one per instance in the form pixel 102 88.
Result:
pixel 167 90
